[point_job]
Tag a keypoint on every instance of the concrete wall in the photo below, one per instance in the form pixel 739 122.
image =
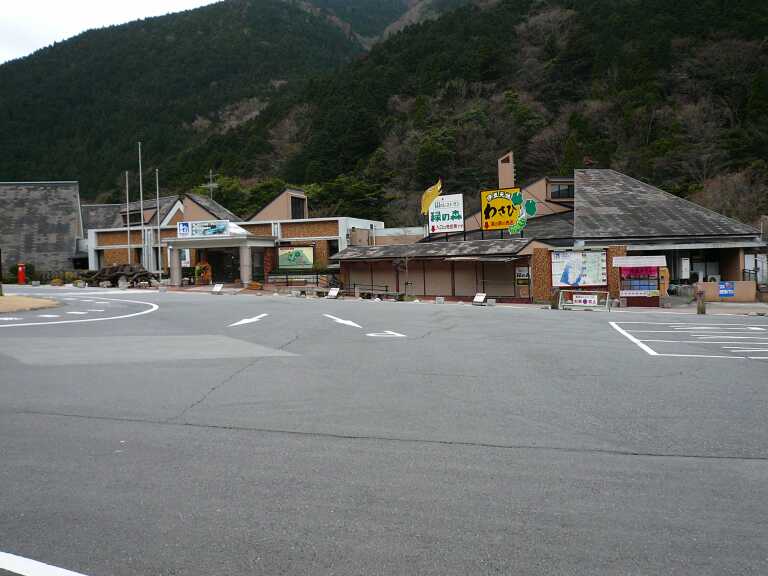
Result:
pixel 745 291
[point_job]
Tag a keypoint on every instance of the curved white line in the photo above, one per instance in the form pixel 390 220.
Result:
pixel 152 308
pixel 27 567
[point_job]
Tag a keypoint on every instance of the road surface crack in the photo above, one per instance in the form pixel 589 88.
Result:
pixel 404 440
pixel 226 381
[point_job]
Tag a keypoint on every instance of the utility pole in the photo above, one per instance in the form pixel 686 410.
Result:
pixel 157 219
pixel 211 185
pixel 128 215
pixel 141 210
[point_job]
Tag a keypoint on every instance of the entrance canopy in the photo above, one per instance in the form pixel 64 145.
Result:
pixel 221 242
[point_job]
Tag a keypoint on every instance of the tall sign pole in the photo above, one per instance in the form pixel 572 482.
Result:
pixel 128 215
pixel 141 210
pixel 157 219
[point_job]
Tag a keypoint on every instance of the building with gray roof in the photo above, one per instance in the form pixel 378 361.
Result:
pixel 40 225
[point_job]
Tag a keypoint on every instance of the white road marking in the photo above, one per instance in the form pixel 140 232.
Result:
pixel 152 308
pixel 735 337
pixel 721 335
pixel 648 349
pixel 27 567
pixel 95 310
pixel 10 319
pixel 341 321
pixel 77 313
pixel 748 350
pixel 47 316
pixel 386 334
pixel 248 320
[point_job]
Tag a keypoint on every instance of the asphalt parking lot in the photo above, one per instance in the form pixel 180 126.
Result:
pixel 147 433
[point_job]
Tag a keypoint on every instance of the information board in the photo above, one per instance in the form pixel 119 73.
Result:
pixel 574 269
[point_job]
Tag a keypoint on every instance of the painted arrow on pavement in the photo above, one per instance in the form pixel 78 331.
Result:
pixel 341 321
pixel 248 320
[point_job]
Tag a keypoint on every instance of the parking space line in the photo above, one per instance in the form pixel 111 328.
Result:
pixel 648 349
pixel 731 339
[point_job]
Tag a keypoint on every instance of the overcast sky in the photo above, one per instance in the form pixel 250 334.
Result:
pixel 28 25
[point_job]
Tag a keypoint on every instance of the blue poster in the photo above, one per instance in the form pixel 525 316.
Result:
pixel 727 289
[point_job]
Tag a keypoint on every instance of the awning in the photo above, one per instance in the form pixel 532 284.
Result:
pixel 640 261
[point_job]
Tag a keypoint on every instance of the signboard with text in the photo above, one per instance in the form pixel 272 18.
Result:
pixel 504 209
pixel 202 229
pixel 727 290
pixel 446 214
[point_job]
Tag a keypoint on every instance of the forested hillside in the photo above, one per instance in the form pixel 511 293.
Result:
pixel 675 93
pixel 76 109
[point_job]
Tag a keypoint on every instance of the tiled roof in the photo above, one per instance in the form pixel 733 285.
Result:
pixel 505 247
pixel 214 208
pixel 609 204
pixel 40 224
pixel 101 216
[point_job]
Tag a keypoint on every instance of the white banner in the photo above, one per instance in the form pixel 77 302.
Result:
pixel 446 214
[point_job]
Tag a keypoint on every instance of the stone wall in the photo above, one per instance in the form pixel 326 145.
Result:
pixel 614 279
pixel 541 275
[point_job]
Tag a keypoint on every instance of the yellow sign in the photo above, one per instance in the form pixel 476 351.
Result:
pixel 501 208
pixel 429 195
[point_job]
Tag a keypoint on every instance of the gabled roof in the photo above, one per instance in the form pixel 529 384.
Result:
pixel 505 247
pixel 214 207
pixel 609 204
pixel 40 223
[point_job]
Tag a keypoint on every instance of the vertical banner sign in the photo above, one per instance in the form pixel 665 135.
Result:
pixel 446 214
pixel 504 209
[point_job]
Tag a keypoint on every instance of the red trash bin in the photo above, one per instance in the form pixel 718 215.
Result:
pixel 22 275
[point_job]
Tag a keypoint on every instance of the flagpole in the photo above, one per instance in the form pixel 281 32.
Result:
pixel 157 218
pixel 128 215
pixel 141 210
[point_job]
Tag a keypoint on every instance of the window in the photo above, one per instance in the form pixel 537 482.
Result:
pixel 561 191
pixel 298 207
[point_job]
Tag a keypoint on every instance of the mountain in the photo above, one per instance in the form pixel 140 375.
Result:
pixel 366 102
pixel 75 110
pixel 674 93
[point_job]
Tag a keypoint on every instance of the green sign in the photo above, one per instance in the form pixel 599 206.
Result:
pixel 296 258
pixel 524 213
